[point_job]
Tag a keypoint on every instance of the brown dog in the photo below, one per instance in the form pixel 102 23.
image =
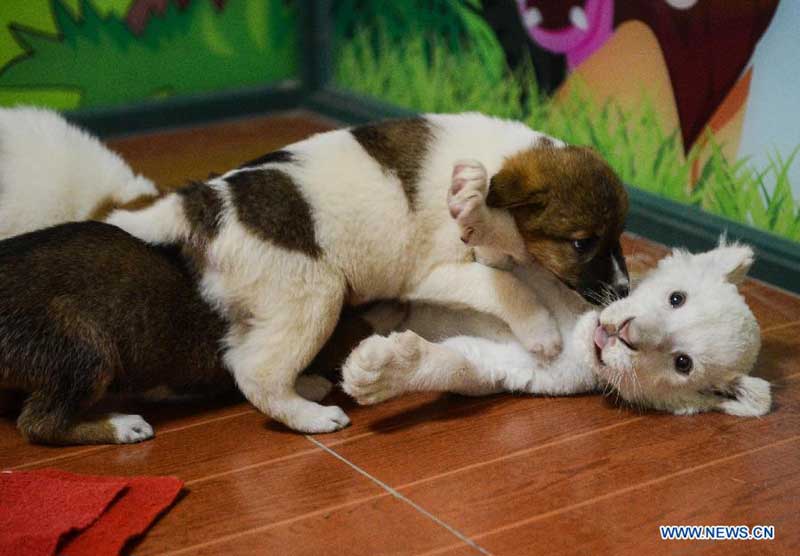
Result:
pixel 86 309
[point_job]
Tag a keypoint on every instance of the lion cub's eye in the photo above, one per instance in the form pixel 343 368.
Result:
pixel 676 299
pixel 683 363
pixel 583 246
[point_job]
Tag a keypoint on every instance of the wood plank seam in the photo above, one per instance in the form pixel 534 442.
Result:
pixel 777 327
pixel 455 532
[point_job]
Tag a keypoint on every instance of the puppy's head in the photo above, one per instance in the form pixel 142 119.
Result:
pixel 570 209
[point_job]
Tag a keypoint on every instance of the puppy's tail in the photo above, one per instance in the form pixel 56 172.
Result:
pixel 162 222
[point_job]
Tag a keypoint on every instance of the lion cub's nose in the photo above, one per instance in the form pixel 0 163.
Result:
pixel 625 332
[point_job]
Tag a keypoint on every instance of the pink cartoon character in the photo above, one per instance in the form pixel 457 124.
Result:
pixel 573 28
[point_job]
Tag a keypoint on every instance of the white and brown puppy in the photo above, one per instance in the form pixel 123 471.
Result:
pixel 52 172
pixel 359 214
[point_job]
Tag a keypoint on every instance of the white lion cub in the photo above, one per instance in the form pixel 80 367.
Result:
pixel 684 341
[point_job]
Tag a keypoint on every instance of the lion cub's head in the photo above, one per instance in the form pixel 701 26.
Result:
pixel 685 341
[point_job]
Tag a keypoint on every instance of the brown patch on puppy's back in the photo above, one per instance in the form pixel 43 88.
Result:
pixel 203 208
pixel 400 147
pixel 270 204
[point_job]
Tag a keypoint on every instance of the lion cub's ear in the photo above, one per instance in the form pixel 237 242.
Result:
pixel 732 261
pixel 508 189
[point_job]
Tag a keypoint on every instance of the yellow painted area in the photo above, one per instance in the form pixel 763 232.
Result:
pixel 257 22
pixel 59 99
pixel 629 67
pixel 216 41
pixel 36 15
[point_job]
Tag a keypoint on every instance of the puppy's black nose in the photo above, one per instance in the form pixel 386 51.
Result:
pixel 622 291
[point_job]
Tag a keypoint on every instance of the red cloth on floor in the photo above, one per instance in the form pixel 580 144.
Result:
pixel 36 511
pixel 130 506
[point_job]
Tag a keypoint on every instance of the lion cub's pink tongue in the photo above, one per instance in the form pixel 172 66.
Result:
pixel 600 337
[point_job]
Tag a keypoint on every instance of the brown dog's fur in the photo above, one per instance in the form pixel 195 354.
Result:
pixel 557 196
pixel 87 309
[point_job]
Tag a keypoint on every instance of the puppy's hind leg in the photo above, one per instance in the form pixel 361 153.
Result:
pixel 54 413
pixel 269 352
pixel 45 423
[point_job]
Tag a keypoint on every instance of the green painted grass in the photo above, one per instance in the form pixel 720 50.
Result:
pixel 423 72
pixel 197 49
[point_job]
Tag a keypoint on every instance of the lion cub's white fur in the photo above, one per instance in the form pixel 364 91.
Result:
pixel 475 354
pixel 52 172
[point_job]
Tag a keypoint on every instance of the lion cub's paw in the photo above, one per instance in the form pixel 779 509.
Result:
pixel 380 367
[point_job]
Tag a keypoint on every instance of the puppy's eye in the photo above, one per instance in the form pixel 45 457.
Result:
pixel 683 363
pixel 676 299
pixel 583 246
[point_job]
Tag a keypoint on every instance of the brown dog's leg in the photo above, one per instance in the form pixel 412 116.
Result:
pixel 47 421
pixel 55 411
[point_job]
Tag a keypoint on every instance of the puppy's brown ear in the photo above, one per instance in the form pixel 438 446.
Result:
pixel 508 190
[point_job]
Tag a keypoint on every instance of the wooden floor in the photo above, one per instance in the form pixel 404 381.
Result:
pixel 431 474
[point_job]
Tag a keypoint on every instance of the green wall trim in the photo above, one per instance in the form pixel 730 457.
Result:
pixel 317 44
pixel 187 110
pixel 352 108
pixel 679 225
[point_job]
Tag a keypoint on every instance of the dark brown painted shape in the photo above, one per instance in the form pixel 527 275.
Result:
pixel 705 47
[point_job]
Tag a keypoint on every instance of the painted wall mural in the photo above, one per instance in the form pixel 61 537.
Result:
pixel 694 100
pixel 70 54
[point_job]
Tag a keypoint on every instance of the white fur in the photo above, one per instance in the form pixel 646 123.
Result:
pixel 284 304
pixel 52 172
pixel 475 354
pixel 130 428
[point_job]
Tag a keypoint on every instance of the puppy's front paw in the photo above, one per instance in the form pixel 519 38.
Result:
pixel 380 366
pixel 540 335
pixel 318 419
pixel 466 198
